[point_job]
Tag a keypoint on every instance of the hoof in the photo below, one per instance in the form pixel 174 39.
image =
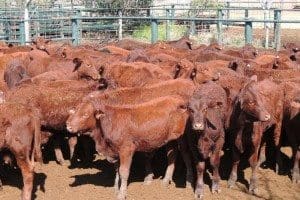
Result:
pixel 199 196
pixel 215 187
pixel 61 162
pixel 148 180
pixel 253 191
pixel 296 178
pixel 188 184
pixel 216 191
pixel 199 193
pixel 166 182
pixel 121 197
pixel 231 183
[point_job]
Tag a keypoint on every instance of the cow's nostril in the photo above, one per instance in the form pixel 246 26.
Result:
pixel 198 126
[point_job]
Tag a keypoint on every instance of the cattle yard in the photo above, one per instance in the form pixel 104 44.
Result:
pixel 163 102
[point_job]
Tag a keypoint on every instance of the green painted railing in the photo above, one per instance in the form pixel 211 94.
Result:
pixel 78 22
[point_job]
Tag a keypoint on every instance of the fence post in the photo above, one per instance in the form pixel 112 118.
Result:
pixel 228 12
pixel 120 21
pixel 277 30
pixel 248 28
pixel 168 24
pixel 22 33
pixel 61 23
pixel 154 30
pixel 219 25
pixel 172 13
pixel 193 26
pixel 76 28
pixel 7 30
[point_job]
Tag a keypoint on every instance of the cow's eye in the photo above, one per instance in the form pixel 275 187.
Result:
pixel 85 115
pixel 89 66
pixel 190 110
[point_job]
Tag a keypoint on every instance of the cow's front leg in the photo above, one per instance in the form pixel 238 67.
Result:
pixel 171 155
pixel 296 170
pixel 199 190
pixel 27 174
pixel 215 163
pixel 126 155
pixel 253 160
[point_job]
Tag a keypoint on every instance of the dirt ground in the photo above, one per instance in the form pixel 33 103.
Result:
pixel 96 182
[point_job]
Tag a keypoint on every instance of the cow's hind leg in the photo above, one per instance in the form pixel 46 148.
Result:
pixel 296 169
pixel 149 172
pixel 27 173
pixel 57 149
pixel 183 148
pixel 236 160
pixel 171 155
pixel 72 144
pixel 126 155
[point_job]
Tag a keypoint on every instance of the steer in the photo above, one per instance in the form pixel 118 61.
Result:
pixel 54 99
pixel 259 107
pixel 20 133
pixel 123 96
pixel 207 116
pixel 291 124
pixel 119 131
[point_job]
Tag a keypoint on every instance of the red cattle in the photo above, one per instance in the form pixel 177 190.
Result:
pixel 141 127
pixel 20 133
pixel 54 99
pixel 207 116
pixel 259 106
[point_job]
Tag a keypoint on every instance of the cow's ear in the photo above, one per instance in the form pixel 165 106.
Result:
pixel 77 62
pixel 99 114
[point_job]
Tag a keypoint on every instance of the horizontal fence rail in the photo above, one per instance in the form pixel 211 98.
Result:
pixel 152 24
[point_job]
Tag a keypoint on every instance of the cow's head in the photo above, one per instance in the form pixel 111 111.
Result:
pixel 86 69
pixel 198 108
pixel 251 103
pixel 83 117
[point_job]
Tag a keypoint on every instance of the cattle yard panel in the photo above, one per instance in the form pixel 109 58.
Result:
pixel 229 26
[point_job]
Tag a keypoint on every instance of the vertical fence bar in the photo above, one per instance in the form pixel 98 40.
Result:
pixel 22 33
pixel 172 14
pixel 76 29
pixel 79 26
pixel 219 25
pixel 193 26
pixel 248 28
pixel 228 13
pixel 120 21
pixel 168 36
pixel 7 30
pixel 154 30
pixel 277 30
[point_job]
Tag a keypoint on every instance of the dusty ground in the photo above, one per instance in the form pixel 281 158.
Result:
pixel 96 182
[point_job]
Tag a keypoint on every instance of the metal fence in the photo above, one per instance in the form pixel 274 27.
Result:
pixel 229 26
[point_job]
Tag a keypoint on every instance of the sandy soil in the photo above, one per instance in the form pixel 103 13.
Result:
pixel 96 182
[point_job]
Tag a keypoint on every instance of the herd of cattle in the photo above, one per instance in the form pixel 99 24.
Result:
pixel 130 96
